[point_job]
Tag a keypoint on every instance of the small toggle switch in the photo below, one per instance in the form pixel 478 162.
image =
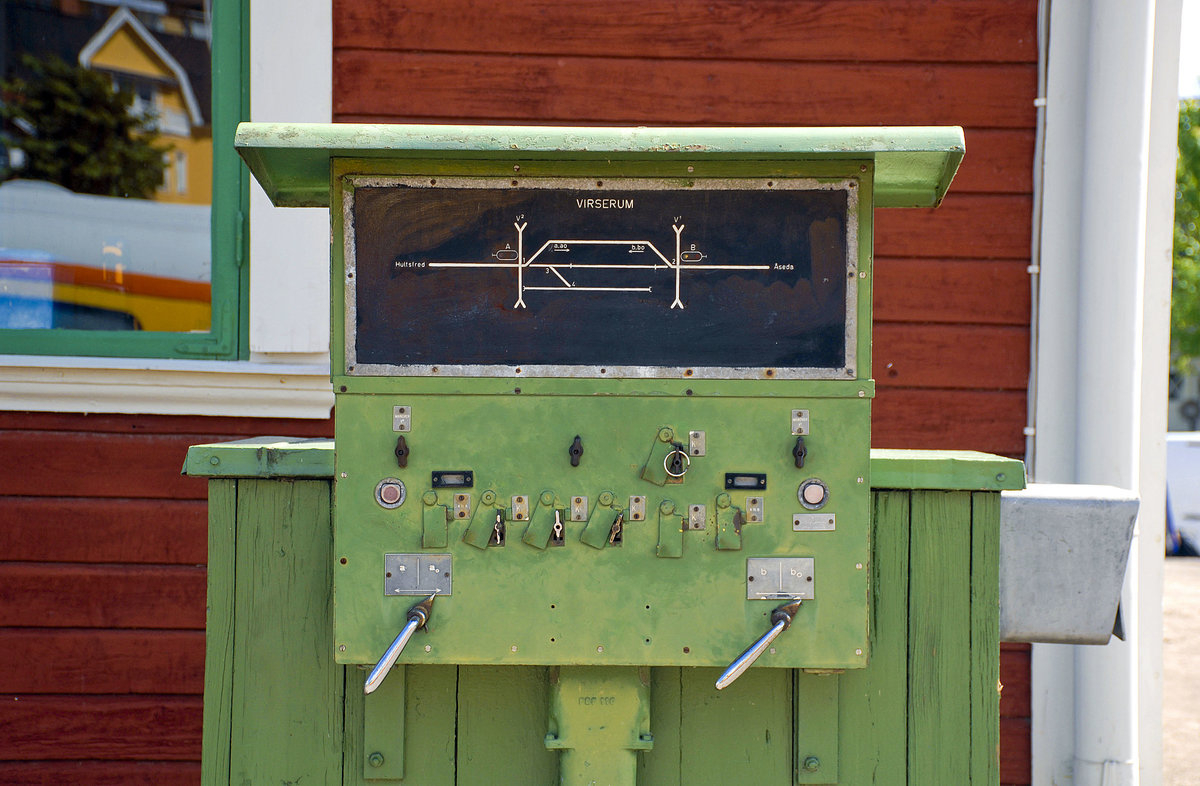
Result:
pixel 615 536
pixel 418 615
pixel 676 462
pixel 576 451
pixel 497 531
pixel 401 452
pixel 557 534
pixel 781 620
pixel 800 452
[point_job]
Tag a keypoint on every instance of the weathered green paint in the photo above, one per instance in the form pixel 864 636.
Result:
pixel 741 734
pixel 591 602
pixel 486 724
pixel 291 160
pixel 502 725
pixel 816 727
pixel 873 716
pixel 384 728
pixel 660 765
pixel 262 457
pixel 219 619
pixel 939 638
pixel 599 719
pixel 985 640
pixel 282 559
pixel 949 470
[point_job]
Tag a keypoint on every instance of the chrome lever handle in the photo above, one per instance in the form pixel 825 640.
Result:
pixel 781 619
pixel 418 615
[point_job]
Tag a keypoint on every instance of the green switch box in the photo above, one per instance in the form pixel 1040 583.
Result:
pixel 556 354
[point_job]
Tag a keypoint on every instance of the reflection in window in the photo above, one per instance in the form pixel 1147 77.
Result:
pixel 106 163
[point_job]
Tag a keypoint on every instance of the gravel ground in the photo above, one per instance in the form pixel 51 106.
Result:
pixel 1181 672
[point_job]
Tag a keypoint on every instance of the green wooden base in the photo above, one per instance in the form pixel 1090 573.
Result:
pixel 279 710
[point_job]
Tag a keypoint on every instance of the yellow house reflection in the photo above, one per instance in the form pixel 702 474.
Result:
pixel 142 63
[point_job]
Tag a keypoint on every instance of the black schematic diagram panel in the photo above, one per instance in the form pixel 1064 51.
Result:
pixel 584 278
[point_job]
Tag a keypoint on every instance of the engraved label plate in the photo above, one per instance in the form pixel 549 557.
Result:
pixel 579 508
pixel 799 422
pixel 416 574
pixel 402 418
pixel 697 516
pixel 814 522
pixel 775 578
pixel 520 508
pixel 754 510
pixel 696 443
pixel 462 505
pixel 637 508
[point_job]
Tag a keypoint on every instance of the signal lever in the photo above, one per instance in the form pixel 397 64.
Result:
pixel 418 615
pixel 781 619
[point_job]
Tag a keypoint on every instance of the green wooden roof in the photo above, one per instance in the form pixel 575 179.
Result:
pixel 281 457
pixel 913 165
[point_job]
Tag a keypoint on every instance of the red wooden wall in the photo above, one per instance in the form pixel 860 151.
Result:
pixel 102 543
pixel 102 595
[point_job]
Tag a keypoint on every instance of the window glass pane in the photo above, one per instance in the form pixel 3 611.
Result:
pixel 106 165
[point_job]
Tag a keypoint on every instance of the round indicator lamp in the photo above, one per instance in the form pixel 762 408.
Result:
pixel 813 494
pixel 390 493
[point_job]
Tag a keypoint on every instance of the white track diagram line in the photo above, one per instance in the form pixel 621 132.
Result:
pixel 554 270
pixel 508 258
pixel 677 303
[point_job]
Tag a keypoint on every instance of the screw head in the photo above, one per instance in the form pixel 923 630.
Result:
pixel 811 764
pixel 375 759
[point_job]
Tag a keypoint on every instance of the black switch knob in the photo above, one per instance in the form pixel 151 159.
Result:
pixel 800 452
pixel 401 452
pixel 576 450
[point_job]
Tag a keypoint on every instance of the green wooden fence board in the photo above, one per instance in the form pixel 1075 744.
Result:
pixel 660 764
pixel 430 725
pixel 985 639
pixel 502 726
pixel 939 639
pixel 382 758
pixel 948 470
pixel 287 700
pixel 815 708
pixel 738 735
pixel 874 701
pixel 218 641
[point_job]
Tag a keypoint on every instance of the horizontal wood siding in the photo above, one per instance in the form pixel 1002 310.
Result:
pixel 102 595
pixel 951 344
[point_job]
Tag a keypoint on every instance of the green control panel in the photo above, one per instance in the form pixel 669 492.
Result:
pixel 603 413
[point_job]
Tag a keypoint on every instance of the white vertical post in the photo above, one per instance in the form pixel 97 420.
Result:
pixel 1160 212
pixel 1101 352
